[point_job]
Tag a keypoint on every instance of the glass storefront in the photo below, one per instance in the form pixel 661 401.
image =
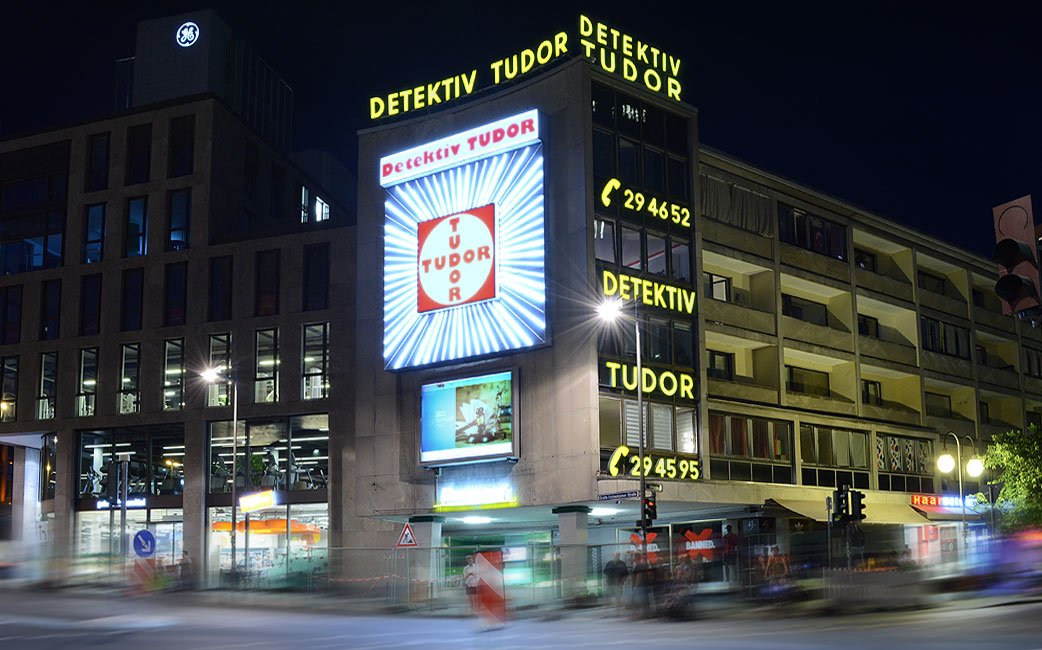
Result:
pixel 155 465
pixel 285 454
pixel 98 540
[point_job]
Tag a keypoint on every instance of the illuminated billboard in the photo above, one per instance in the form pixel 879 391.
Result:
pixel 469 419
pixel 464 245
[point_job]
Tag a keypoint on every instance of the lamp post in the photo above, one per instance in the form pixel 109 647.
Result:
pixel 611 311
pixel 974 468
pixel 214 375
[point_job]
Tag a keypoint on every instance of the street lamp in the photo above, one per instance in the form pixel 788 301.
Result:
pixel 610 311
pixel 213 376
pixel 945 463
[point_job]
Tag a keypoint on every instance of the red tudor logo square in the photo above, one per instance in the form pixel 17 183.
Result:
pixel 456 260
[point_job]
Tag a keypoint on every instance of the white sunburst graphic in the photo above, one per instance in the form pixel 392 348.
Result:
pixel 509 316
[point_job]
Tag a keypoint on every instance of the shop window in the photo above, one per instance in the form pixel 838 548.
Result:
pixel 47 395
pixel 867 326
pixel 220 307
pixel 182 146
pixel 88 382
pixel 176 295
pixel 10 315
pixel 266 370
pixel 871 392
pixel 218 393
pixel 133 297
pixel 94 233
pixel 139 154
pixel 50 309
pixel 315 362
pixel 129 382
pixel 173 374
pixel 9 388
pixel 316 277
pixel 807 382
pixel 604 240
pixel 90 305
pixel 97 176
pixel 266 301
pixel 179 217
pixel 721 365
pixel 807 311
pixel 135 232
pixel 716 287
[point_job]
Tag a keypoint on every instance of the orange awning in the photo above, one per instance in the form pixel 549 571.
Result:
pixel 267 527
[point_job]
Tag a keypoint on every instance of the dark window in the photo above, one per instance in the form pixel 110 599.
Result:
pixel 656 253
pixel 251 167
pixel 267 284
pixel 811 232
pixel 1034 362
pixel 985 413
pixel 604 240
pixel 865 260
pixel 982 355
pixel 631 248
pixel 680 260
pixel 9 389
pixel 179 216
pixel 220 288
pixel 50 309
pixel 867 326
pixel 938 336
pixel 603 154
pixel 97 162
pixel 135 235
pixel 656 343
pixel 938 405
pixel 94 233
pixel 716 287
pixel 182 146
pixel 316 277
pixel 807 382
pixel 176 294
pixel 90 305
pixel 932 283
pixel 978 298
pixel 629 161
pixel 10 314
pixel 805 310
pixel 721 365
pixel 1034 418
pixel 871 392
pixel 32 242
pixel 654 170
pixel 682 346
pixel 133 296
pixel 278 193
pixel 139 153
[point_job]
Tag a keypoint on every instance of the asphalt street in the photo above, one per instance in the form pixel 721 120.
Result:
pixel 45 621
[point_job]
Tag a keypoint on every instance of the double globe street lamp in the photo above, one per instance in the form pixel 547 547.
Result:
pixel 974 467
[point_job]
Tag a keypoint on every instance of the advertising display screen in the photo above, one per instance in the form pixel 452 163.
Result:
pixel 468 419
pixel 464 245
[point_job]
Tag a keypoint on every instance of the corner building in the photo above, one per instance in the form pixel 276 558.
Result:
pixel 792 343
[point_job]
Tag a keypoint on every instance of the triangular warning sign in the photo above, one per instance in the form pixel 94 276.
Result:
pixel 407 538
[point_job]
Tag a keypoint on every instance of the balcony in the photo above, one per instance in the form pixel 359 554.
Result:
pixel 991 318
pixel 1005 376
pixel 739 316
pixel 884 284
pixel 730 237
pixel 887 350
pixel 829 403
pixel 947 364
pixel 890 411
pixel 742 388
pixel 943 303
pixel 815 263
pixel 814 334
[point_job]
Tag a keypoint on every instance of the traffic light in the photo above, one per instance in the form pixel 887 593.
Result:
pixel 857 506
pixel 650 510
pixel 840 505
pixel 1016 251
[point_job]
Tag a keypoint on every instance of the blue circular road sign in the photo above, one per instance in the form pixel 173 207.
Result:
pixel 144 543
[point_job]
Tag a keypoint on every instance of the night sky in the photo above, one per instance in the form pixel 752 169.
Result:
pixel 924 113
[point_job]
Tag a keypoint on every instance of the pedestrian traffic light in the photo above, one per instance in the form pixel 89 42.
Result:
pixel 857 505
pixel 650 510
pixel 1016 251
pixel 839 505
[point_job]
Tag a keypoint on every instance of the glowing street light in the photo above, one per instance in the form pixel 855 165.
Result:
pixel 945 463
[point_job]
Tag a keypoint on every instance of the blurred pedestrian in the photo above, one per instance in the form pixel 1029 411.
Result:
pixel 186 572
pixel 641 587
pixel 730 555
pixel 777 572
pixel 615 574
pixel 470 582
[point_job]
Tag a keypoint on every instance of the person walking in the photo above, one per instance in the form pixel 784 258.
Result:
pixel 730 555
pixel 470 583
pixel 615 574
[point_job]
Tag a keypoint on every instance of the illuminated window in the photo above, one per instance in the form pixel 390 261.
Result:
pixel 94 234
pixel 128 382
pixel 173 374
pixel 604 240
pixel 266 370
pixel 305 205
pixel 219 392
pixel 88 382
pixel 680 260
pixel 47 397
pixel 9 387
pixel 716 287
pixel 179 211
pixel 811 232
pixel 321 210
pixel 315 362
pixel 750 449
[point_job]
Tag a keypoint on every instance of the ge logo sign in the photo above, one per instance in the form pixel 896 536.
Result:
pixel 187 34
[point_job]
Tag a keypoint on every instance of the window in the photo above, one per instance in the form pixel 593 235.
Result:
pixel 315 366
pixel 868 326
pixel 130 366
pixel 176 296
pixel 981 354
pixel 179 216
pixel 811 232
pixel 631 248
pixel 47 396
pixel 930 282
pixel 94 234
pixel 978 298
pixel 938 336
pixel 667 428
pixel 173 374
pixel 267 284
pixel 985 412
pixel 32 242
pixel 871 392
pixel 938 405
pixel 680 260
pixel 135 235
pixel 133 296
pixel 321 210
pixel 9 387
pixel 10 314
pixel 97 177
pixel 750 449
pixel 90 305
pixel 604 240
pixel 305 204
pixel 219 392
pixel 807 382
pixel 840 456
pixel 266 370
pixel 1033 365
pixel 656 253
pixel 716 287
pixel 277 197
pixel 220 288
pixel 682 345
pixel 316 277
pixel 866 260
pixel 50 309
pixel 905 464
pixel 251 167
pixel 805 310
pixel 656 343
pixel 139 153
pixel 1034 418
pixel 182 146
pixel 88 382
pixel 721 365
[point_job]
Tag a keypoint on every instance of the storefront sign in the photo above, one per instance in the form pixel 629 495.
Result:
pixel 666 382
pixel 187 34
pixel 610 49
pixel 133 502
pixel 638 203
pixel 257 501
pixel 648 292
pixel 480 495
pixel 625 461
pixel 465 420
pixel 464 253
pixel 944 501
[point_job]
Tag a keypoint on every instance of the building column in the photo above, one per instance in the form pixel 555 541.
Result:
pixel 66 490
pixel 573 526
pixel 25 512
pixel 425 561
pixel 193 498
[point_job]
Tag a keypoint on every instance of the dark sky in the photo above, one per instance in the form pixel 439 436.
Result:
pixel 924 112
